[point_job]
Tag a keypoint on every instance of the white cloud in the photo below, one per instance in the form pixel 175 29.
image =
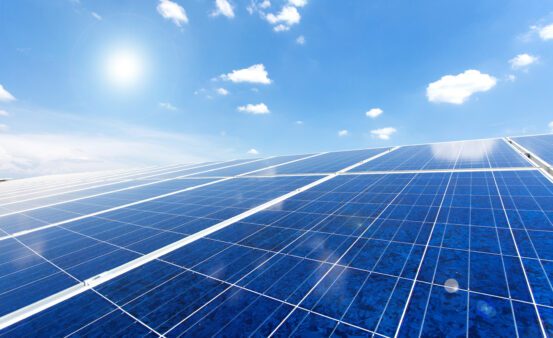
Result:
pixel 299 123
pixel 546 33
pixel 223 8
pixel 5 96
pixel 3 128
pixel 255 109
pixel 265 4
pixel 383 133
pixel 522 61
pixel 458 88
pixel 252 74
pixel 374 113
pixel 287 17
pixel 297 3
pixel 281 28
pixel 511 78
pixel 96 16
pixel 343 133
pixel 172 11
pixel 4 113
pixel 550 125
pixel 222 91
pixel 300 40
pixel 253 152
pixel 167 105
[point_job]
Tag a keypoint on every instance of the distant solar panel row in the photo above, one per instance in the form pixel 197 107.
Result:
pixel 541 145
pixel 419 253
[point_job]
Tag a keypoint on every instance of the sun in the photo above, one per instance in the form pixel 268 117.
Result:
pixel 124 68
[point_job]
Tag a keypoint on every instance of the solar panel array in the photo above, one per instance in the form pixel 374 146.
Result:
pixel 447 239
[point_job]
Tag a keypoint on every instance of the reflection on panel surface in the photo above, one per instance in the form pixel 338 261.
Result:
pixel 541 145
pixel 493 153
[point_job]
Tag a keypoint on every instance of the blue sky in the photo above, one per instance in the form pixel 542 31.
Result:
pixel 89 85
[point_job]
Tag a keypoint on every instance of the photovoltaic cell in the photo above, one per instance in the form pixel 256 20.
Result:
pixel 65 255
pixel 493 153
pixel 541 145
pixel 254 166
pixel 325 163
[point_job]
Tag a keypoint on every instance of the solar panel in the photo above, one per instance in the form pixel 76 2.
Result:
pixel 541 145
pixel 493 153
pixel 412 241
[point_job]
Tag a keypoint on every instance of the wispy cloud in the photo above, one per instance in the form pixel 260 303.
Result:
pixel 253 152
pixel 456 89
pixel 3 128
pixel 222 91
pixel 343 133
pixel 522 61
pixel 297 3
pixel 383 133
pixel 223 7
pixel 4 113
pixel 96 16
pixel 255 109
pixel 300 40
pixel 172 11
pixel 252 74
pixel 374 113
pixel 5 96
pixel 167 106
pixel 550 125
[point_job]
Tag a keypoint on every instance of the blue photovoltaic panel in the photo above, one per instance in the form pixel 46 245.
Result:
pixel 325 163
pixel 494 153
pixel 350 268
pixel 541 146
pixel 408 254
pixel 245 168
pixel 42 263
pixel 60 212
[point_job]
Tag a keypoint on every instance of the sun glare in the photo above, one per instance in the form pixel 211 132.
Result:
pixel 124 68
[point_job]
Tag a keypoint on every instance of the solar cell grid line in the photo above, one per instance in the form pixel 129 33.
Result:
pixel 442 156
pixel 454 286
pixel 270 163
pixel 422 258
pixel 540 321
pixel 342 256
pixel 56 191
pixel 94 213
pixel 532 245
pixel 95 280
pixel 37 219
pixel 259 208
pixel 502 280
pixel 77 281
pixel 138 184
pixel 311 310
pixel 330 162
pixel 281 250
pixel 333 266
pixel 35 227
pixel 22 189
